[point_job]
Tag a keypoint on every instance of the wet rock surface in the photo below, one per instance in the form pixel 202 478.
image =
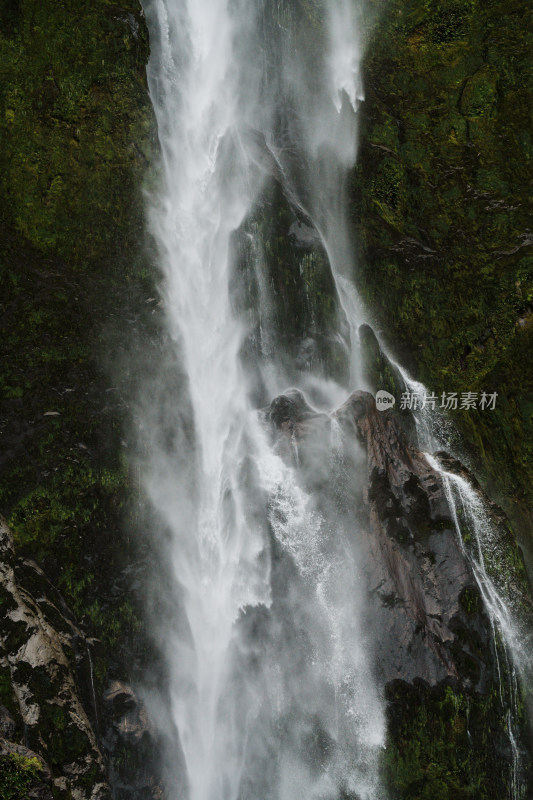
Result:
pixel 424 604
pixel 130 741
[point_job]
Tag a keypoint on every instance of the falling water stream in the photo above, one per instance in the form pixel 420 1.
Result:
pixel 269 670
pixel 243 714
pixel 476 531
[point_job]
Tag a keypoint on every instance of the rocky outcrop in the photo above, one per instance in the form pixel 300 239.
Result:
pixel 131 743
pixel 425 605
pixel 447 700
pixel 38 642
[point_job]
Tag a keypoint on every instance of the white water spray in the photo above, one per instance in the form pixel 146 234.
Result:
pixel 235 729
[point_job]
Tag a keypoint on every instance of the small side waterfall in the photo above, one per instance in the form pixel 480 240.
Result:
pixel 480 541
pixel 476 532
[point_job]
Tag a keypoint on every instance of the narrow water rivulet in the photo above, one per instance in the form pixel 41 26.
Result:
pixel 275 670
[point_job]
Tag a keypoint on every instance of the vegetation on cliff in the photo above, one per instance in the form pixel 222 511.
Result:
pixel 76 125
pixel 442 206
pixel 76 129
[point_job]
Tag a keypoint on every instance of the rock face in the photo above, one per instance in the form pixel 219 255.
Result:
pixel 37 650
pixel 424 600
pixel 131 743
pixel 291 303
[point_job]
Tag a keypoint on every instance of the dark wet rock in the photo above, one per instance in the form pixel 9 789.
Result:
pixel 120 696
pixel 290 409
pixel 128 732
pixel 418 576
pixel 505 562
pixel 377 367
pixel 381 373
pixel 129 718
pixel 8 725
pixel 305 235
pixel 37 644
pixel 291 302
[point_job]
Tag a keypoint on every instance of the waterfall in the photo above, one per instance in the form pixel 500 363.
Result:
pixel 270 687
pixel 470 517
pixel 473 522
pixel 260 609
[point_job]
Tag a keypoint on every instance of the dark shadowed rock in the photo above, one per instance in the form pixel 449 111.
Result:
pixel 128 731
pixel 37 642
pixel 290 409
pixel 381 373
pixel 8 726
pixel 128 715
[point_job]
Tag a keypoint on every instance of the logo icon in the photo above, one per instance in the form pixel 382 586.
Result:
pixel 384 400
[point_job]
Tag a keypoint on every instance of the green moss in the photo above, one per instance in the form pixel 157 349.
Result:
pixel 65 741
pixel 441 203
pixel 77 131
pixel 445 743
pixel 470 600
pixel 17 776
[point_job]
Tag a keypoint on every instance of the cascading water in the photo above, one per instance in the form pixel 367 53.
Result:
pixel 511 647
pixel 504 605
pixel 243 711
pixel 271 691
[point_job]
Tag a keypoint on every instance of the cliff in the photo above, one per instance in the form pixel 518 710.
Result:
pixel 439 205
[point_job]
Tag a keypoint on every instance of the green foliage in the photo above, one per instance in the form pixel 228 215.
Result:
pixel 470 600
pixel 77 132
pixel 17 775
pixel 68 93
pixel 445 744
pixel 441 203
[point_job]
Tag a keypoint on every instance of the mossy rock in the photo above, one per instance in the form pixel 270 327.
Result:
pixel 448 744
pixel 19 775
